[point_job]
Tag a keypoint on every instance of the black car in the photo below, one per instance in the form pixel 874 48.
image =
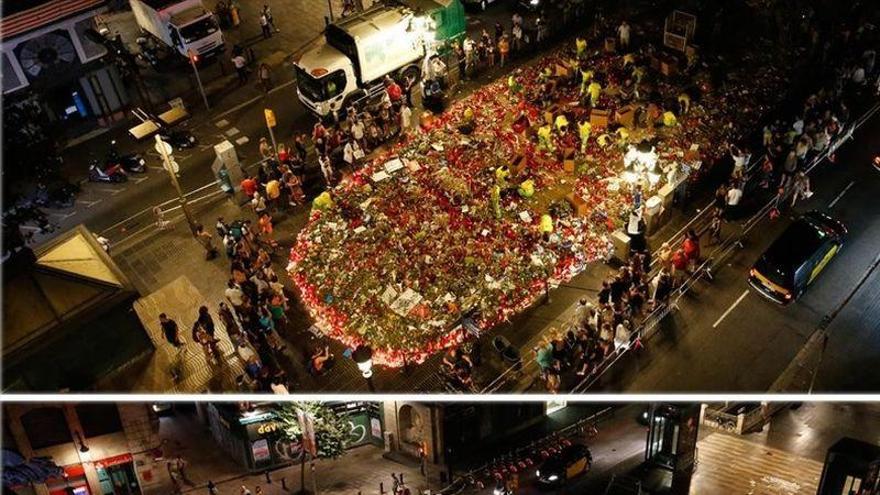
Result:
pixel 794 260
pixel 569 463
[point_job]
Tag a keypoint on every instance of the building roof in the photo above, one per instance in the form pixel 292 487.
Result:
pixel 22 16
pixel 54 286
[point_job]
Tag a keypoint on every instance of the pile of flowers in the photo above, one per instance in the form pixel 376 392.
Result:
pixel 472 217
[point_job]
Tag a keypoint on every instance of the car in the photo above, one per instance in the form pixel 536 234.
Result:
pixel 572 461
pixel 796 257
pixel 482 4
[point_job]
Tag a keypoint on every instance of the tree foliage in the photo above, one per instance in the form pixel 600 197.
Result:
pixel 331 428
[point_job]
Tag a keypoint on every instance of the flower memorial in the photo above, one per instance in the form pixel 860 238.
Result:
pixel 511 190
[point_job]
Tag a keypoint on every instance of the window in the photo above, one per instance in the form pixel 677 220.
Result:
pixel 98 419
pixel 198 30
pixel 45 427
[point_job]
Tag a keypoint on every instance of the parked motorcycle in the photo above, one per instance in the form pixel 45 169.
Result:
pixel 112 173
pixel 147 54
pixel 179 139
pixel 131 162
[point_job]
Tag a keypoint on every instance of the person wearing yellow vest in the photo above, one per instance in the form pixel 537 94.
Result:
pixel 496 200
pixel 561 123
pixel 584 130
pixel 545 137
pixel 669 119
pixel 586 78
pixel 546 224
pixel 501 175
pixel 595 90
pixel 581 47
pixel 684 103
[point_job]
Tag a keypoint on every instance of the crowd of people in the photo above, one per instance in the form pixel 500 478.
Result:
pixel 627 295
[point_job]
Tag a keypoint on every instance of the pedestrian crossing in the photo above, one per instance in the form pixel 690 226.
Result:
pixel 732 465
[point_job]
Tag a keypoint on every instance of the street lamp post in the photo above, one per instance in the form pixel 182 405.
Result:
pixel 165 151
pixel 193 60
pixel 363 356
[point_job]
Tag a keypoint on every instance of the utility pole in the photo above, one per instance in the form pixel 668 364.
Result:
pixel 193 61
pixel 270 124
pixel 165 149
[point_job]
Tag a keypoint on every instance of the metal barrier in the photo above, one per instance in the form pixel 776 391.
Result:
pixel 464 480
pixel 715 259
pixel 147 219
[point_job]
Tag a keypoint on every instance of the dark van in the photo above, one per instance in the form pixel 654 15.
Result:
pixel 794 260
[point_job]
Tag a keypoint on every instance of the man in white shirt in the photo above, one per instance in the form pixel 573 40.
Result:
pixel 234 294
pixel 623 31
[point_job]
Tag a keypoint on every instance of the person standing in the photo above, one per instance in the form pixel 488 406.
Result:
pixel 240 64
pixel 623 32
pixel 205 321
pixel 267 11
pixel 227 317
pixel 327 170
pixel 265 77
pixel 503 49
pixel 264 25
pixel 405 119
pixel 207 242
pixel 170 330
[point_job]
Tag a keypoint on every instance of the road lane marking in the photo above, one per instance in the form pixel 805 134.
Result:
pixel 138 180
pixel 242 140
pixel 221 123
pixel 232 131
pixel 834 202
pixel 112 192
pixel 732 306
pixel 89 204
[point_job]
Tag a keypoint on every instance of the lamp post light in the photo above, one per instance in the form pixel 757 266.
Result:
pixel 363 356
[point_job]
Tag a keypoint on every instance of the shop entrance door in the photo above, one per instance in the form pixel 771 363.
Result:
pixel 118 479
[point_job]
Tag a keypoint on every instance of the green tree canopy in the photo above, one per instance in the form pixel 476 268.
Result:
pixel 331 428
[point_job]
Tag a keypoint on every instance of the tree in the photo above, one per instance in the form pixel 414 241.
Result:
pixel 331 429
pixel 331 432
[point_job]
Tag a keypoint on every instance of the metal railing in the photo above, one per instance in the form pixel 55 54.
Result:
pixel 716 258
pixel 465 480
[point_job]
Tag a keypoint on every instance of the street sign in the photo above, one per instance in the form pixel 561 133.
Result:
pixel 270 117
pixel 163 148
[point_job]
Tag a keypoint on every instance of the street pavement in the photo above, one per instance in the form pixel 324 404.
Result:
pixel 361 469
pixel 725 337
pixel 696 350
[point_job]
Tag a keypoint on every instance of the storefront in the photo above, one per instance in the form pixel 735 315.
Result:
pixel 73 483
pixel 116 475
pixel 255 440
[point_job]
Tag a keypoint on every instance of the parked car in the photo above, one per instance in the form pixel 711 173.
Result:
pixel 570 462
pixel 797 257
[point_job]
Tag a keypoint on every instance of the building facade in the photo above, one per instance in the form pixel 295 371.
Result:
pixel 103 448
pixel 48 60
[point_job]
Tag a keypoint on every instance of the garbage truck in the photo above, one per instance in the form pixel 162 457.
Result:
pixel 347 66
pixel 185 26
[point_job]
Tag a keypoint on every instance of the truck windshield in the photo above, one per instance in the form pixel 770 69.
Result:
pixel 321 89
pixel 198 30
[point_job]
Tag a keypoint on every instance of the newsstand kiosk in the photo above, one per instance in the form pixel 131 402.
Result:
pixel 672 442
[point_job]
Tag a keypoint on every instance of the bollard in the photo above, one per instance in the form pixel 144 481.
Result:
pixel 381 488
pixel 284 484
pixel 268 479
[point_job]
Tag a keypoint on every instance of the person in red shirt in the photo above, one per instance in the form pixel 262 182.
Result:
pixel 679 262
pixel 691 246
pixel 249 186
pixel 395 93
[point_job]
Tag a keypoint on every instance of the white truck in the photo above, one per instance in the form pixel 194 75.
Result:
pixel 351 61
pixel 183 25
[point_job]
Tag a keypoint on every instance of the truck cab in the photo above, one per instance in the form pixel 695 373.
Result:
pixel 183 25
pixel 348 64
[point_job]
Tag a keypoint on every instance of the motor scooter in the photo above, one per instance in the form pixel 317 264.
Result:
pixel 111 173
pixel 131 162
